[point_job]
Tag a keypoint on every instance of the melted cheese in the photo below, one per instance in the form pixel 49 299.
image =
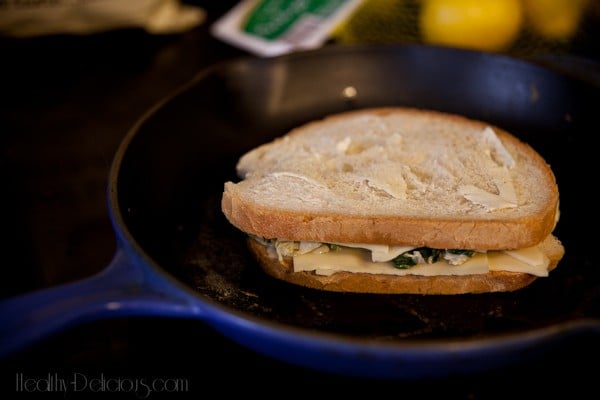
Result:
pixel 358 259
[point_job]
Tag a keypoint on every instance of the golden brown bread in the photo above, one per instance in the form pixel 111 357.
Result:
pixel 271 204
pixel 494 281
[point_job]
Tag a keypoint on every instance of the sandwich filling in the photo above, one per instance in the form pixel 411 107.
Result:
pixel 329 258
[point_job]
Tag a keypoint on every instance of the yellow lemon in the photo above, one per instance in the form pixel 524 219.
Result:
pixel 554 19
pixel 489 25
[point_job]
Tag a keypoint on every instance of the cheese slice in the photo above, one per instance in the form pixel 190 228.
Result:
pixel 377 259
pixel 530 255
pixel 359 261
pixel 530 261
pixel 502 261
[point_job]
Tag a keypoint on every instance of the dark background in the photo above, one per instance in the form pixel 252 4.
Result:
pixel 65 104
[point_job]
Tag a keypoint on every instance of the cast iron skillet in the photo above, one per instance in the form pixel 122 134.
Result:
pixel 178 256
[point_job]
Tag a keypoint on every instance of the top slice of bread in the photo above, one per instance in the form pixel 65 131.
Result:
pixel 396 176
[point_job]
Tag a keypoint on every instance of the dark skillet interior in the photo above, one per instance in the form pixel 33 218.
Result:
pixel 173 171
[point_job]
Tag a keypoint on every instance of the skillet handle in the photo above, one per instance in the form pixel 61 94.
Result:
pixel 124 288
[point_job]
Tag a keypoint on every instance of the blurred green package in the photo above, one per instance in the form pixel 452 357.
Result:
pixel 274 27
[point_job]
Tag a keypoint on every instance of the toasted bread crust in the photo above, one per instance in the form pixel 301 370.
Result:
pixel 494 281
pixel 487 234
pixel 494 232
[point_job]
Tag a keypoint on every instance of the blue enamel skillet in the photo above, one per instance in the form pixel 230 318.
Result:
pixel 178 257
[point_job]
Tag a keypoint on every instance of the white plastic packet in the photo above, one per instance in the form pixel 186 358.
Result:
pixel 274 27
pixel 44 17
